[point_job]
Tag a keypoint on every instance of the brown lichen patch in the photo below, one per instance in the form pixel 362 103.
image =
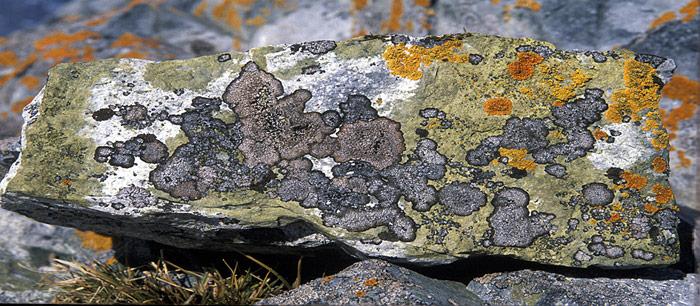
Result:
pixel 19 105
pixel 690 10
pixel 405 60
pixel 517 158
pixel 371 282
pixel 94 241
pixel 498 106
pixel 532 5
pixel 664 18
pixel 634 180
pixel 378 142
pixel 659 164
pixel 663 193
pixel 600 134
pixel 524 66
pixel 30 82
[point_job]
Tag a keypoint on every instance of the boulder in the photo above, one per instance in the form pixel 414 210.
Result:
pixel 544 288
pixel 422 149
pixel 376 282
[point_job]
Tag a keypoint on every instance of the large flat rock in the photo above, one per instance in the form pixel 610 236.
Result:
pixel 414 149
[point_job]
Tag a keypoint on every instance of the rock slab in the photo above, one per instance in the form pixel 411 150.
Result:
pixel 413 149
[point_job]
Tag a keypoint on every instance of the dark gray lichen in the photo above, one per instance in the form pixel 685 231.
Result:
pixel 461 199
pixel 512 223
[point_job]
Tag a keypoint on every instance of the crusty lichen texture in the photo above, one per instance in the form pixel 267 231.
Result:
pixel 420 149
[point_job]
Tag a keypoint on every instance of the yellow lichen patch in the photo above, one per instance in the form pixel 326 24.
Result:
pixel 527 91
pixel 371 282
pixel 8 58
pixel 517 158
pixel 664 194
pixel 634 181
pixel 690 10
pixel 94 241
pixel 664 18
pixel 524 67
pixel 498 106
pixel 562 88
pixel 659 164
pixel 18 106
pixel 640 93
pixel 393 24
pixel 685 162
pixel 532 5
pixel 405 61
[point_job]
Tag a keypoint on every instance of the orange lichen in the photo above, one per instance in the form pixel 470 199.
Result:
pixel 495 2
pixel 4 115
pixel 393 24
pixel 600 134
pixel 327 279
pixel 423 3
pixel 405 61
pixel 133 54
pixel 130 40
pixel 614 217
pixel 99 20
pixel 360 293
pixel 524 67
pixel 371 282
pixel 200 8
pixel 8 58
pixel 359 4
pixel 685 162
pixel 528 4
pixel 685 90
pixel 690 10
pixel 664 18
pixel 659 164
pixel 19 68
pixel 255 21
pixel 640 93
pixel 3 40
pixel 634 181
pixel 94 241
pixel 651 208
pixel 517 158
pixel 498 106
pixel 18 106
pixel 63 39
pixel 227 12
pixel 664 194
pixel 30 82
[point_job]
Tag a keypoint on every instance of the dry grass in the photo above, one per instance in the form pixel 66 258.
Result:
pixel 161 282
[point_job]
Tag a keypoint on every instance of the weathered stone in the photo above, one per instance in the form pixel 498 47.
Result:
pixel 375 152
pixel 543 288
pixel 376 282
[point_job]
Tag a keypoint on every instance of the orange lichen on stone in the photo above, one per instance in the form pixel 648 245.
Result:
pixel 371 282
pixel 614 217
pixel 600 134
pixel 664 18
pixel 8 58
pixel 498 106
pixel 664 194
pixel 63 39
pixel 685 162
pixel 651 208
pixel 685 90
pixel 359 4
pixel 634 181
pixel 227 13
pixel 327 279
pixel 360 293
pixel 659 164
pixel 3 40
pixel 517 158
pixel 393 24
pixel 423 3
pixel 255 21
pixel 18 106
pixel 690 10
pixel 18 68
pixel 640 93
pixel 30 82
pixel 131 40
pixel 532 5
pixel 495 2
pixel 200 8
pixel 524 67
pixel 94 241
pixel 58 46
pixel 405 61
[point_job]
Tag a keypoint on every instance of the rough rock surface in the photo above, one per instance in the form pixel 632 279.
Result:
pixel 543 288
pixel 417 149
pixel 376 282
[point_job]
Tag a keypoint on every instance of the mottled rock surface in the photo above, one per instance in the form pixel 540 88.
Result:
pixel 415 149
pixel 376 282
pixel 543 288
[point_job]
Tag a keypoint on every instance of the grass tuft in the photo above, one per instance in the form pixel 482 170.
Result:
pixel 160 282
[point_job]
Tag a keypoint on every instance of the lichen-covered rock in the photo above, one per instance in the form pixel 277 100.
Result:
pixel 376 282
pixel 416 149
pixel 543 288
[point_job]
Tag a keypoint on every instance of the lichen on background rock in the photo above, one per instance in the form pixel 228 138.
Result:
pixel 416 149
